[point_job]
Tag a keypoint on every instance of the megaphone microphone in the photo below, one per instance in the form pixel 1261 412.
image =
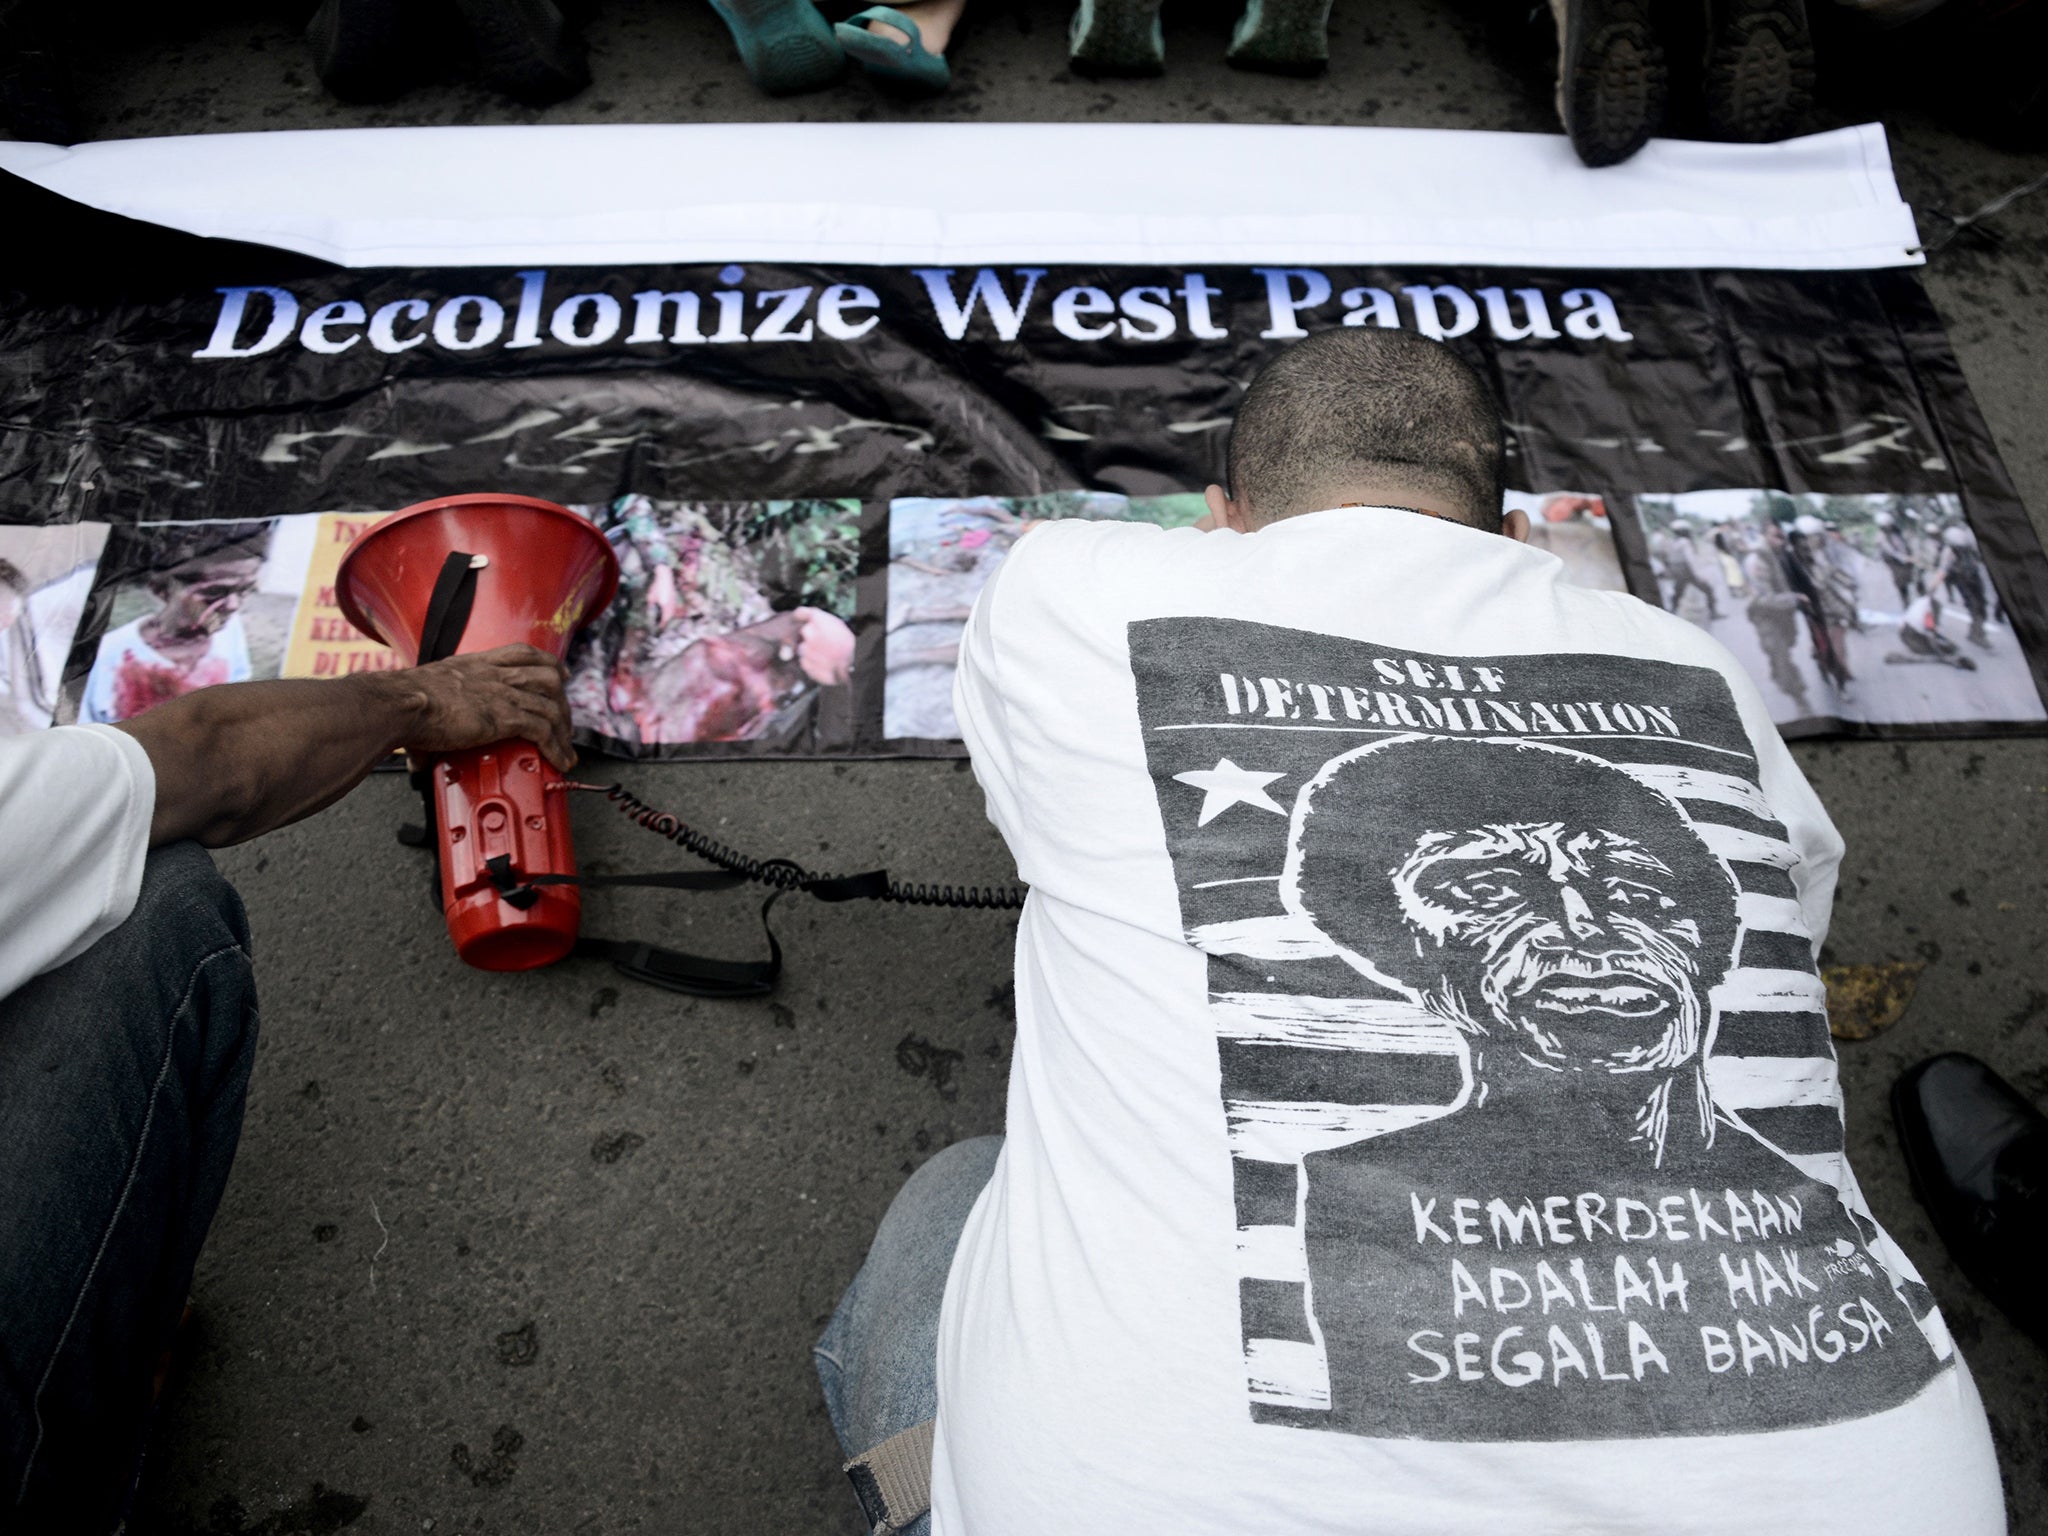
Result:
pixel 460 574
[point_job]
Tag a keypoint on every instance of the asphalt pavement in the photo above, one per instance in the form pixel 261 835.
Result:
pixel 546 1254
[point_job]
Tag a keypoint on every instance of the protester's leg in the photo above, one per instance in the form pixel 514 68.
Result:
pixel 122 1077
pixel 878 1360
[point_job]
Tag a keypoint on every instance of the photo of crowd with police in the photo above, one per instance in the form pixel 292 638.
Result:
pixel 1871 609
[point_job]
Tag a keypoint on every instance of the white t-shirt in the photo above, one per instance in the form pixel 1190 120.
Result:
pixel 75 808
pixel 1423 1118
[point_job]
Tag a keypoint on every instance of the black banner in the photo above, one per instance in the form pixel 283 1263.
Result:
pixel 808 471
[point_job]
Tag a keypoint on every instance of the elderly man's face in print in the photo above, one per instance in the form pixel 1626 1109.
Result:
pixel 1566 939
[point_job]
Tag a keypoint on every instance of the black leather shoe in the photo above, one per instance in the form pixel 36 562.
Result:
pixel 1978 1154
pixel 1613 76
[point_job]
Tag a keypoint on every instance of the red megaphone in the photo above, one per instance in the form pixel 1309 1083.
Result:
pixel 526 570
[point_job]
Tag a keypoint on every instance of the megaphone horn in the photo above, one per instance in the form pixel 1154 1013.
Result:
pixel 457 575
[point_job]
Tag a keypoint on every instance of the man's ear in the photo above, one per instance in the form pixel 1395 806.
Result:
pixel 1516 526
pixel 1223 512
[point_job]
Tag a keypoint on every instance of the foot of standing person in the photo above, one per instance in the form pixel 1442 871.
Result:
pixel 785 45
pixel 1116 38
pixel 908 57
pixel 526 49
pixel 935 20
pixel 376 50
pixel 1613 79
pixel 1758 74
pixel 35 77
pixel 1282 37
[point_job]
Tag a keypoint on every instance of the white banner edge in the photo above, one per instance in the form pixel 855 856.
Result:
pixel 1825 202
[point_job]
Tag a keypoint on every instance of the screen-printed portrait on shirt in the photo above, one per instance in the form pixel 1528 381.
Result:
pixel 1525 1071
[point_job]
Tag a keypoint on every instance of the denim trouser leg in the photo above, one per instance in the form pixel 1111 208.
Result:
pixel 879 1361
pixel 122 1077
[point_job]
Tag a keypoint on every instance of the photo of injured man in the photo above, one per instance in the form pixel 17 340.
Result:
pixel 194 604
pixel 732 621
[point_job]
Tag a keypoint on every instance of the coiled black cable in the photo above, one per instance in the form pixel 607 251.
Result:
pixel 788 875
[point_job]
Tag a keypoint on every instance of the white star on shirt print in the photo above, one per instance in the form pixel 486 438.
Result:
pixel 1227 785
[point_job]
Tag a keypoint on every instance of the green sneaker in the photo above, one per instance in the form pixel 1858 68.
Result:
pixel 785 44
pixel 1116 37
pixel 1282 37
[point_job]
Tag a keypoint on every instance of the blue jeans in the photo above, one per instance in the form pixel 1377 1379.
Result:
pixel 879 1359
pixel 122 1076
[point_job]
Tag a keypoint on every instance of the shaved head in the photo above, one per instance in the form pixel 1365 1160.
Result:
pixel 1354 406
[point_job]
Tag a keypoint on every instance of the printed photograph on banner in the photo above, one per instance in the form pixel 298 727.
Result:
pixel 323 643
pixel 195 604
pixel 1875 609
pixel 1525 1072
pixel 1574 527
pixel 941 551
pixel 45 577
pixel 733 621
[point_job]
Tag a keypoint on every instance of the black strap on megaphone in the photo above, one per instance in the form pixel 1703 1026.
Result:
pixel 697 975
pixel 448 610
pixel 703 977
pixel 448 607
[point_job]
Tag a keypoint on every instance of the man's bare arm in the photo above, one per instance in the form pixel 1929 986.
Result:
pixel 241 759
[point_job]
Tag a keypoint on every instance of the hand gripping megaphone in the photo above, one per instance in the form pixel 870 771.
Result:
pixel 469 573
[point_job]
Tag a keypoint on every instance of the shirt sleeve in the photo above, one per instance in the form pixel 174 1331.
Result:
pixel 75 809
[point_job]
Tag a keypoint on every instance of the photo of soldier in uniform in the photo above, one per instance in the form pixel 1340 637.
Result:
pixel 1867 609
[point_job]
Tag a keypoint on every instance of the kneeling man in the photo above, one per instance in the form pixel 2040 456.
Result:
pixel 1422 1118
